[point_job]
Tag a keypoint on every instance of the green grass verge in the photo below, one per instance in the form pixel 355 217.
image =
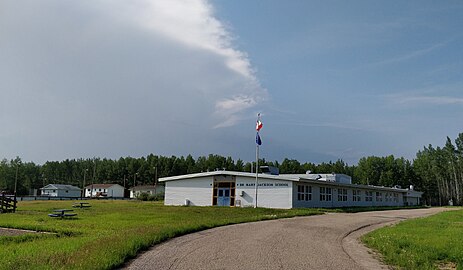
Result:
pixel 434 242
pixel 373 208
pixel 110 232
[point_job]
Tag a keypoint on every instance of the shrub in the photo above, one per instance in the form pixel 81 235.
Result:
pixel 143 196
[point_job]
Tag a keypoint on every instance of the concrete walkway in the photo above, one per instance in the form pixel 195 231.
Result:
pixel 317 242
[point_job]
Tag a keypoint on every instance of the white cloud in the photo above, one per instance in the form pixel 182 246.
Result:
pixel 116 77
pixel 232 107
pixel 410 55
pixel 437 94
pixel 436 100
pixel 190 22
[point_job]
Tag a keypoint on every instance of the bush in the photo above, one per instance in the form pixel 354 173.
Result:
pixel 149 197
pixel 143 196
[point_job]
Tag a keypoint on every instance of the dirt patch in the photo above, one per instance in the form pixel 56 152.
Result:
pixel 13 232
pixel 447 266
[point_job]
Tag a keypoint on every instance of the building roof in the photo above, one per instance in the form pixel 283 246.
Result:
pixel 102 186
pixel 414 193
pixel 213 173
pixel 146 187
pixel 307 178
pixel 61 187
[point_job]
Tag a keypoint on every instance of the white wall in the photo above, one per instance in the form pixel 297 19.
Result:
pixel 49 192
pixel 61 193
pixel 315 202
pixel 197 190
pixel 113 191
pixel 412 201
pixel 69 193
pixel 271 193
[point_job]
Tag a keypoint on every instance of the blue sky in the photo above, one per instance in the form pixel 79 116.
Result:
pixel 332 79
pixel 353 79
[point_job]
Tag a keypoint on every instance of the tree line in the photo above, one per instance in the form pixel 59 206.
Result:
pixel 441 171
pixel 437 171
pixel 129 171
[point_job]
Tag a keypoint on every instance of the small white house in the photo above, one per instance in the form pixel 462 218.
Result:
pixel 104 190
pixel 228 188
pixel 57 190
pixel 148 189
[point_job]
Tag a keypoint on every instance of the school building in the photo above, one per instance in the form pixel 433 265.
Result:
pixel 237 189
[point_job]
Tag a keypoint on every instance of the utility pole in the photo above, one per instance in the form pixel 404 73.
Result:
pixel 16 181
pixel 83 187
pixel 155 175
pixel 93 180
pixel 155 178
pixel 134 178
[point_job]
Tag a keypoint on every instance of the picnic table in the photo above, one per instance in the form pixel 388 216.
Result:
pixel 81 205
pixel 62 213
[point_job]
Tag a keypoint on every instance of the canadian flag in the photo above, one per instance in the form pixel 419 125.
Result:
pixel 258 125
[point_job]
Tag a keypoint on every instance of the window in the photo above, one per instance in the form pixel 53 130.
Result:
pixel 396 197
pixel 325 194
pixel 368 196
pixel 88 190
pixel 304 193
pixel 379 196
pixel 388 197
pixel 356 195
pixel 54 190
pixel 342 195
pixel 99 189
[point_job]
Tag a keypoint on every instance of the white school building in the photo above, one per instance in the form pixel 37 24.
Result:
pixel 229 188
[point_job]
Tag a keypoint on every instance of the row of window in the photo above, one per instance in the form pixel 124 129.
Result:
pixel 104 190
pixel 304 193
pixel 54 190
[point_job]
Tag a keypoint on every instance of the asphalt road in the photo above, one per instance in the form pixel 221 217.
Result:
pixel 317 242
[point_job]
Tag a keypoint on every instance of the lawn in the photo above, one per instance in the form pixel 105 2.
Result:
pixel 110 232
pixel 434 242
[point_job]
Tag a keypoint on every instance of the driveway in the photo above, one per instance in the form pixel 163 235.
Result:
pixel 316 242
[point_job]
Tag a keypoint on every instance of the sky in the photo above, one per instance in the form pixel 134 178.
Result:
pixel 331 79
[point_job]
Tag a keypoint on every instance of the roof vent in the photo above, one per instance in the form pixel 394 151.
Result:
pixel 270 170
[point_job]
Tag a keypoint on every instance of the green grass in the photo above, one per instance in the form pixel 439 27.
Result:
pixel 110 232
pixel 425 243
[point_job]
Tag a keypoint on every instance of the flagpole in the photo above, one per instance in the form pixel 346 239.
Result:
pixel 258 142
pixel 257 173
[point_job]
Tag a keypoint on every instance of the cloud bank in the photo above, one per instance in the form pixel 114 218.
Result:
pixel 109 78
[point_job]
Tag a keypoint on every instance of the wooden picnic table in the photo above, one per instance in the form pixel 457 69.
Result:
pixel 81 205
pixel 62 213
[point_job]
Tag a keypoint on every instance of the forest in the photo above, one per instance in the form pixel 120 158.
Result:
pixel 437 171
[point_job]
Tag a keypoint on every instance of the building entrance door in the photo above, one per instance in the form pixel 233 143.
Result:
pixel 223 192
pixel 223 198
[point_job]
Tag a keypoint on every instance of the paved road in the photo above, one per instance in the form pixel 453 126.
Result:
pixel 317 242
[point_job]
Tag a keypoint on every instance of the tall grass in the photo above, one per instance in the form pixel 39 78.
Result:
pixel 425 243
pixel 110 232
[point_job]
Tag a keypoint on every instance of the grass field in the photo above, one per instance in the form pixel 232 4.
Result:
pixel 110 232
pixel 434 242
